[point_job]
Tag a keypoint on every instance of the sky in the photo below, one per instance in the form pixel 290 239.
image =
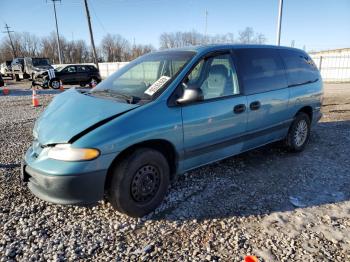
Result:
pixel 313 24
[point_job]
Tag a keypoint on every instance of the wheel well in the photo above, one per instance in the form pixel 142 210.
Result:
pixel 307 110
pixel 163 146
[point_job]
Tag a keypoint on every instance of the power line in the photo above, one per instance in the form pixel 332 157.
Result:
pixel 57 34
pixel 97 18
pixel 8 33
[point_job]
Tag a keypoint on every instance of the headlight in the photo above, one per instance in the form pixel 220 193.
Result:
pixel 65 152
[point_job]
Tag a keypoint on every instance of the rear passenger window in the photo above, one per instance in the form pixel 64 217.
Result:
pixel 83 69
pixel 300 68
pixel 261 69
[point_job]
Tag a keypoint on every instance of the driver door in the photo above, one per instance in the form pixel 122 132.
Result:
pixel 213 127
pixel 69 74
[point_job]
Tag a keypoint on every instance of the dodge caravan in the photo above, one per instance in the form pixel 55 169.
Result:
pixel 165 113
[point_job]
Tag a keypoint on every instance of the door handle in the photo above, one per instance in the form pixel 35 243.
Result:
pixel 254 105
pixel 239 108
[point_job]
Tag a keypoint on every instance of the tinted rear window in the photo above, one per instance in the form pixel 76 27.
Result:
pixel 299 67
pixel 261 69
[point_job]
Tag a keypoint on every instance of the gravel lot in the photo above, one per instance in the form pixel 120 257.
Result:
pixel 268 202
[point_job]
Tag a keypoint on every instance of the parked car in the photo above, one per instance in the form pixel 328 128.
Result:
pixel 5 69
pixel 166 113
pixel 80 74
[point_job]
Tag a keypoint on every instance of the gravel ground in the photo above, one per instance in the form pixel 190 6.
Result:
pixel 268 202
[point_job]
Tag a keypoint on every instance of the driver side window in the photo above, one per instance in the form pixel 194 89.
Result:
pixel 70 69
pixel 215 76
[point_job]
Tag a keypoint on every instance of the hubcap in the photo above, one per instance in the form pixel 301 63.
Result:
pixel 93 82
pixel 300 134
pixel 145 183
pixel 55 84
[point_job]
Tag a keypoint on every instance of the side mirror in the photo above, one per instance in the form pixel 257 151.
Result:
pixel 190 94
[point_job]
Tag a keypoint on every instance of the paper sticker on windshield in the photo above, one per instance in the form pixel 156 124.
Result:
pixel 157 85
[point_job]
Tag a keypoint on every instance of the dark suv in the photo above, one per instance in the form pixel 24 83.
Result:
pixel 71 74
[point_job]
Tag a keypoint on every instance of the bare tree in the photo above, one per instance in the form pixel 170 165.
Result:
pixel 115 48
pixel 246 36
pixel 139 50
pixel 29 44
pixel 181 39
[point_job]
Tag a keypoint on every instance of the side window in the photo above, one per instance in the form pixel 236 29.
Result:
pixel 83 69
pixel 216 77
pixel 300 68
pixel 193 77
pixel 262 70
pixel 176 65
pixel 70 69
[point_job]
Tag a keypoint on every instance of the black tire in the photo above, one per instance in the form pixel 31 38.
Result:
pixel 16 77
pixel 292 140
pixel 54 83
pixel 128 187
pixel 82 84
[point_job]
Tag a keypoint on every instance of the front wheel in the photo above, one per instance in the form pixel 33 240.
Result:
pixel 54 83
pixel 299 133
pixel 139 182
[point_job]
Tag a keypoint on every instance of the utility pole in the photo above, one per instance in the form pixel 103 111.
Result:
pixel 8 32
pixel 206 26
pixel 279 22
pixel 91 35
pixel 57 34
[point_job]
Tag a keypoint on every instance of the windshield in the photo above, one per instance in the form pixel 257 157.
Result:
pixel 40 62
pixel 145 76
pixel 59 68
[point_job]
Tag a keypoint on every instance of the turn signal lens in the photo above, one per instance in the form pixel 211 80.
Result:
pixel 65 152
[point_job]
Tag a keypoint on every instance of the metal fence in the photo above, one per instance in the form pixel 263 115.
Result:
pixel 333 68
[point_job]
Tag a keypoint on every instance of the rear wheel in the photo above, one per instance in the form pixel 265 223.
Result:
pixel 16 77
pixel 139 182
pixel 299 133
pixel 93 82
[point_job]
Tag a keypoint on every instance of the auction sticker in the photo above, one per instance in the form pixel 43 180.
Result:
pixel 157 85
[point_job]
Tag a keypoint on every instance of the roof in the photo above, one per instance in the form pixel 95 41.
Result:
pixel 217 47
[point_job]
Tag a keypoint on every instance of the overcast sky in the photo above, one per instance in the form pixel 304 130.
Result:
pixel 317 24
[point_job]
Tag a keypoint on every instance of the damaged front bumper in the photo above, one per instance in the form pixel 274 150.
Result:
pixel 64 182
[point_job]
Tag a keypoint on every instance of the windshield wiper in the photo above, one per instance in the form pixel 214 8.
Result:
pixel 128 98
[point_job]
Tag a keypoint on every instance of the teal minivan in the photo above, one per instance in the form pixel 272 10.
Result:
pixel 165 113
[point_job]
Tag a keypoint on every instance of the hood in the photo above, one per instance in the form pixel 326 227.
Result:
pixel 72 113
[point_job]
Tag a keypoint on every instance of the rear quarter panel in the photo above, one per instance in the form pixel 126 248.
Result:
pixel 306 95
